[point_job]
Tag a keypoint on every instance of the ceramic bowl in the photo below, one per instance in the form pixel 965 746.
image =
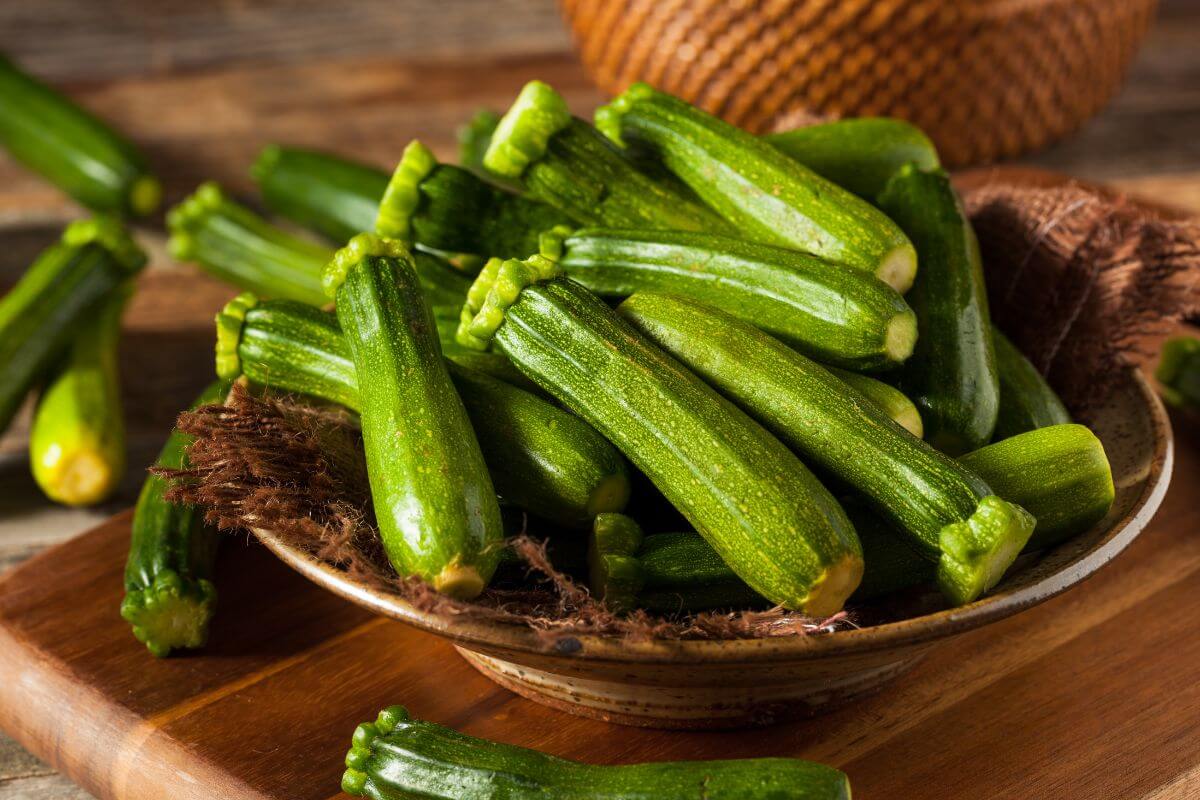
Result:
pixel 698 684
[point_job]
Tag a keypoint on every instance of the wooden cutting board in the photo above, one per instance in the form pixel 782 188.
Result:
pixel 1092 696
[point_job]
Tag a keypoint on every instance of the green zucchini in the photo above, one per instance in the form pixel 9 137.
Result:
pixel 333 196
pixel 1059 474
pixel 766 195
pixel 475 137
pixel 952 373
pixel 783 533
pixel 947 511
pixel 563 161
pixel 398 757
pixel 447 208
pixel 434 502
pixel 77 442
pixel 1026 401
pixel 859 154
pixel 833 314
pixel 614 572
pixel 71 148
pixel 39 316
pixel 890 400
pixel 541 458
pixel 1178 372
pixel 169 594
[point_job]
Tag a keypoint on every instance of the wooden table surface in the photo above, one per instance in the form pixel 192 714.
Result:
pixel 202 86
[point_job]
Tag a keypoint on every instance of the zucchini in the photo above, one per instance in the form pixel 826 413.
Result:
pixel 398 757
pixel 333 196
pixel 77 442
pixel 434 502
pixel 541 458
pixel 858 154
pixel 833 314
pixel 71 148
pixel 952 373
pixel 785 534
pixel 39 315
pixel 944 509
pixel 766 195
pixel 614 572
pixel 169 594
pixel 1178 372
pixel 475 137
pixel 447 208
pixel 563 161
pixel 1026 401
pixel 890 400
pixel 1059 474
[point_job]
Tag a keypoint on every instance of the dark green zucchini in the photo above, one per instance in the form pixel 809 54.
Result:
pixel 77 442
pixel 858 154
pixel 766 195
pixel 449 209
pixel 1178 372
pixel 566 163
pixel 541 458
pixel 944 509
pixel 952 373
pixel 784 533
pixel 320 191
pixel 39 316
pixel 890 400
pixel 434 502
pixel 833 314
pixel 1026 401
pixel 169 595
pixel 1059 474
pixel 71 148
pixel 614 573
pixel 399 757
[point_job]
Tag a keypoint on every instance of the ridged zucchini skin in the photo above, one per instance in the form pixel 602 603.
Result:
pixel 890 400
pixel 952 373
pixel 434 501
pixel 945 510
pixel 615 574
pixel 1178 372
pixel 1059 474
pixel 39 315
pixel 1026 401
pixel 765 194
pixel 833 314
pixel 169 595
pixel 325 193
pixel 566 163
pixel 759 507
pixel 71 148
pixel 541 458
pixel 77 441
pixel 397 757
pixel 858 154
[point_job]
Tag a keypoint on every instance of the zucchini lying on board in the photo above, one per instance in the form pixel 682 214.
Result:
pixel 1178 372
pixel 782 532
pixel 765 194
pixel 71 148
pixel 541 458
pixel 564 162
pixel 39 316
pixel 434 503
pixel 398 757
pixel 77 442
pixel 1059 474
pixel 1026 401
pixel 945 510
pixel 169 595
pixel 833 314
pixel 952 373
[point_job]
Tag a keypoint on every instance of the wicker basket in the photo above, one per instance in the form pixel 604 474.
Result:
pixel 985 78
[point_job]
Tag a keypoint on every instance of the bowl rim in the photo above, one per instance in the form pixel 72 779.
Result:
pixel 514 638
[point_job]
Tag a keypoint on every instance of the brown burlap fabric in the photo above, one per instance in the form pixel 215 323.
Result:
pixel 1077 278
